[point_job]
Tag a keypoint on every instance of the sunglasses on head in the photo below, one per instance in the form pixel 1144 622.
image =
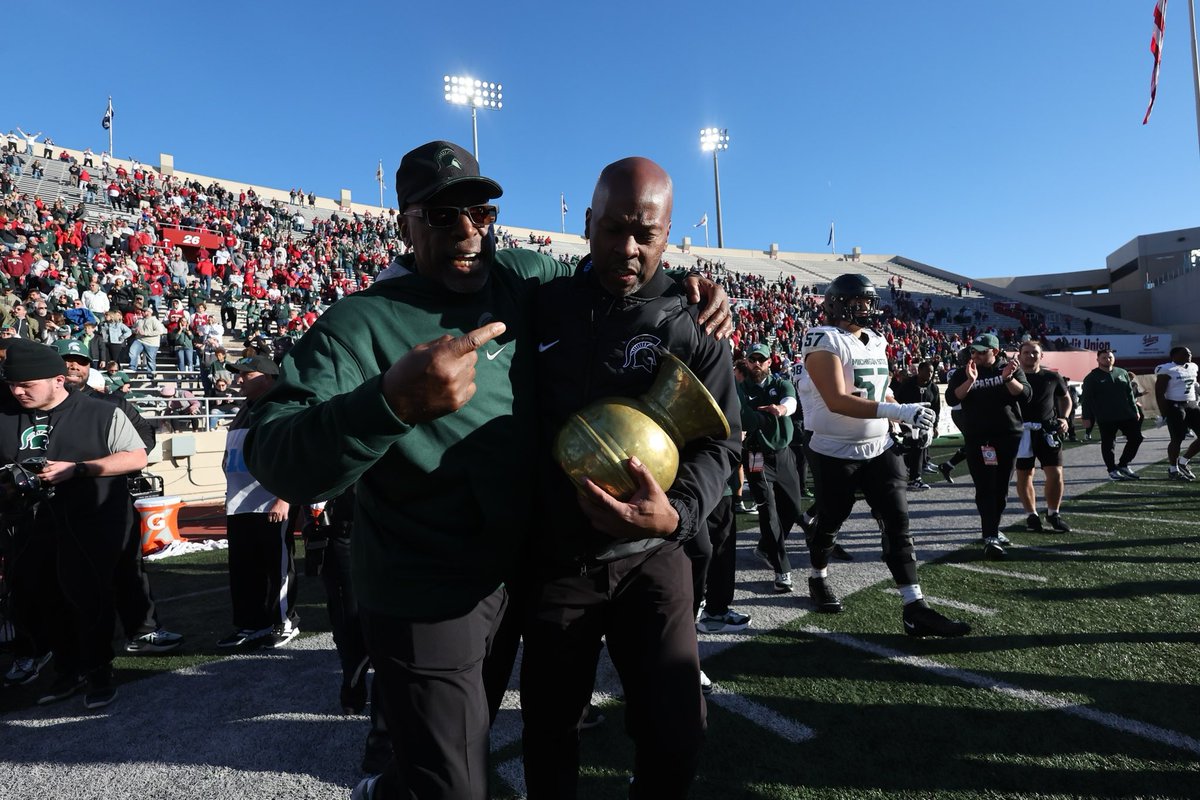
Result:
pixel 447 216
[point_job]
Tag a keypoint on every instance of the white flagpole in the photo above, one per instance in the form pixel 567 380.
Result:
pixel 379 175
pixel 832 238
pixel 110 128
pixel 706 230
pixel 1195 63
pixel 562 208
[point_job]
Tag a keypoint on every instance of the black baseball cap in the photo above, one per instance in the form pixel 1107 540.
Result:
pixel 435 166
pixel 255 364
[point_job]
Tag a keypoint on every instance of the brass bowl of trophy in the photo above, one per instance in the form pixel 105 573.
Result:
pixel 597 441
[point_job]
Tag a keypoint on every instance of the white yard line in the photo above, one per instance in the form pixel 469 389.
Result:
pixel 1055 550
pixel 1136 518
pixel 1114 722
pixel 761 715
pixel 1002 572
pixel 1091 533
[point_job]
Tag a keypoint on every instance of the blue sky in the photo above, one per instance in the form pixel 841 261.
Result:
pixel 987 138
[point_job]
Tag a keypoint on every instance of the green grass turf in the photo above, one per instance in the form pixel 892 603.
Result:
pixel 1113 629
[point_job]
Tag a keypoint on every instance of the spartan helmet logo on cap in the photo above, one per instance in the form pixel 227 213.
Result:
pixel 446 159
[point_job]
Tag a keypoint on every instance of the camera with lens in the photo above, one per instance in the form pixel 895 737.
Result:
pixel 21 485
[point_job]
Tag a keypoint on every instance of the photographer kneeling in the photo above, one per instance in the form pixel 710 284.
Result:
pixel 63 494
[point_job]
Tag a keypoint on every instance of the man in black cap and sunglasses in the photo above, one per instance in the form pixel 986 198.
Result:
pixel 419 390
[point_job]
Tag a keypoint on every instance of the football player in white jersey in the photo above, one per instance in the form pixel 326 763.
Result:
pixel 848 411
pixel 1175 388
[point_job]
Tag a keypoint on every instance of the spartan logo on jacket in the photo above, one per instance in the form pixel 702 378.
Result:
pixel 35 437
pixel 641 353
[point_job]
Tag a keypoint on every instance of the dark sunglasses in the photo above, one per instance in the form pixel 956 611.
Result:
pixel 447 216
pixel 758 359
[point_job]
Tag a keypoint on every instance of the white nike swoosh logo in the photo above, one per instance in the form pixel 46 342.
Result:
pixel 544 346
pixel 909 625
pixel 492 355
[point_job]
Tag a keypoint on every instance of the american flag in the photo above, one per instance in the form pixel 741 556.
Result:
pixel 1156 38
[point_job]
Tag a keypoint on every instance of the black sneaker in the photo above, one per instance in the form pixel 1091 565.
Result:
pixel 1056 522
pixel 921 620
pixel 823 597
pixel 1033 522
pixel 63 687
pixel 946 469
pixel 282 634
pixel 159 641
pixel 1129 474
pixel 245 636
pixel 992 548
pixel 100 689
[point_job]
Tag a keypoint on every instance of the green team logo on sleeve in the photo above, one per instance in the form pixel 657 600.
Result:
pixel 35 437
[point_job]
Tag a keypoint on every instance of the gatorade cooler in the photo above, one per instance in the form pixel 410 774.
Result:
pixel 160 522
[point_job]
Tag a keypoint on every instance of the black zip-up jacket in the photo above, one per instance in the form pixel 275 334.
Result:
pixel 594 345
pixel 989 410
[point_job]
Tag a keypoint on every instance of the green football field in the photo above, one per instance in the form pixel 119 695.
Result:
pixel 1079 679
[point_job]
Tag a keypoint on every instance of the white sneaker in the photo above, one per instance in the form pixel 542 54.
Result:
pixel 706 685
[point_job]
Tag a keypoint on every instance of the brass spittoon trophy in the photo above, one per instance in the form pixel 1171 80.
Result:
pixel 597 440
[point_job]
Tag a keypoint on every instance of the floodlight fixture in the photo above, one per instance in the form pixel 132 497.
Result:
pixel 715 140
pixel 712 139
pixel 463 90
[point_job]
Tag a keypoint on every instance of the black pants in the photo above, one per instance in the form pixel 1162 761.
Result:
pixel 1132 428
pixel 914 460
pixel 131 587
pixel 776 491
pixel 713 554
pixel 262 571
pixel 62 597
pixel 797 448
pixel 434 700
pixel 642 607
pixel 836 482
pixel 348 638
pixel 991 482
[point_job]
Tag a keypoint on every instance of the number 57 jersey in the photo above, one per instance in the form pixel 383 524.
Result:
pixel 865 372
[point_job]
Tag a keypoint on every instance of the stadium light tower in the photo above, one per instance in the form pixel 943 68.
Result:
pixel 462 90
pixel 715 139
